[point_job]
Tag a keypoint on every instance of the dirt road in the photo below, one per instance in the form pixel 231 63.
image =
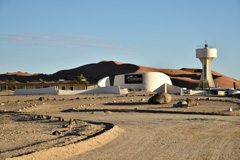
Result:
pixel 147 135
pixel 167 136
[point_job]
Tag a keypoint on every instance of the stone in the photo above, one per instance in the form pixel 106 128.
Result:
pixel 72 122
pixel 229 109
pixel 142 99
pixel 192 102
pixel 65 126
pixel 184 102
pixel 2 104
pixel 160 98
pixel 41 98
pixel 35 116
pixel 56 133
pixel 60 119
pixel 44 117
pixel 107 112
pixel 49 117
pixel 150 101
pixel 181 104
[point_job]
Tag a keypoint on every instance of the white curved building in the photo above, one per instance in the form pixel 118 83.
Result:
pixel 150 81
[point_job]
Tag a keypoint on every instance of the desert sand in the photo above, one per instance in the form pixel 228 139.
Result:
pixel 106 126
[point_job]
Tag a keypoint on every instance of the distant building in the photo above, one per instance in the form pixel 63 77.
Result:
pixel 149 81
pixel 61 85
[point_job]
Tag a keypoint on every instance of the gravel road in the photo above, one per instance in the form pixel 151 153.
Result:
pixel 167 136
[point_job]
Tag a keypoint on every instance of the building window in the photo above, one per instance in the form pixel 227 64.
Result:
pixel 71 88
pixel 63 88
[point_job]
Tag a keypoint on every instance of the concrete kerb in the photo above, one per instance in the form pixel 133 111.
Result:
pixel 148 111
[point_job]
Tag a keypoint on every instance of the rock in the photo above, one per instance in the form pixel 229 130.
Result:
pixel 35 116
pixel 41 98
pixel 230 109
pixel 184 102
pixel 72 122
pixel 40 116
pixel 192 102
pixel 107 112
pixel 65 126
pixel 60 119
pixel 160 98
pixel 181 104
pixel 44 117
pixel 142 99
pixel 56 133
pixel 49 117
pixel 2 104
pixel 150 101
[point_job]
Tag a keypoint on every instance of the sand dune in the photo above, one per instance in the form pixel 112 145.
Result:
pixel 185 77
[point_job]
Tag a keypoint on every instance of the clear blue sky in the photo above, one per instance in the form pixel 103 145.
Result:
pixel 44 36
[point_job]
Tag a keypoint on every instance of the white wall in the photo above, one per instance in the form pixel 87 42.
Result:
pixel 174 89
pixel 49 90
pixel 152 81
pixel 104 82
pixel 197 92
pixel 109 89
pixel 70 92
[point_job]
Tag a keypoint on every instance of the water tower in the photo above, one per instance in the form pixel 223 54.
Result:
pixel 206 55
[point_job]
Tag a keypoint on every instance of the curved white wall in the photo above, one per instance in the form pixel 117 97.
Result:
pixel 151 81
pixel 104 82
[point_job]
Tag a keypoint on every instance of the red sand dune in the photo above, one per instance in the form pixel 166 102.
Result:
pixel 19 74
pixel 185 77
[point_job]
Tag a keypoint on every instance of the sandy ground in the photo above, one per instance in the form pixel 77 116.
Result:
pixel 207 131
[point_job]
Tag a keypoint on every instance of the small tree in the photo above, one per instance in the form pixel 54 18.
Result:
pixel 11 84
pixel 81 79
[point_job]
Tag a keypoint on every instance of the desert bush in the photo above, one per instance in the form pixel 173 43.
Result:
pixel 131 89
